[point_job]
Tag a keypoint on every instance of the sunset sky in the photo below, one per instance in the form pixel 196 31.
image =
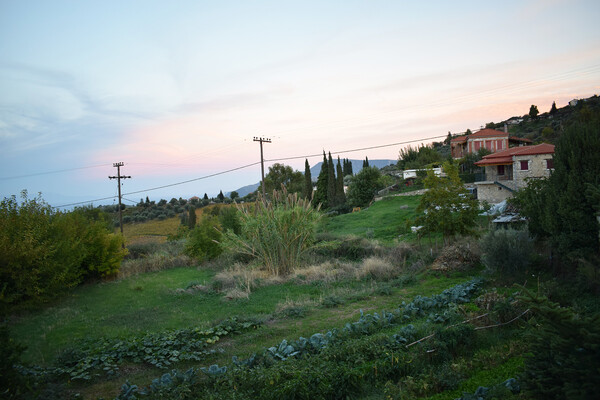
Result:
pixel 177 90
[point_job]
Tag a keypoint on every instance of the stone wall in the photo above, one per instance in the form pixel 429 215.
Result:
pixel 537 168
pixel 492 193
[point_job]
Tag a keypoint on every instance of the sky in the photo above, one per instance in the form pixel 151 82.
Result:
pixel 178 90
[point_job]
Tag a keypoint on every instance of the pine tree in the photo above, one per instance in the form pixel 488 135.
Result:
pixel 307 193
pixel 191 216
pixel 339 184
pixel 570 217
pixel 320 196
pixel 331 195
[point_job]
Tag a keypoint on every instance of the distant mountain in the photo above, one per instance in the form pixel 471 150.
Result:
pixel 246 189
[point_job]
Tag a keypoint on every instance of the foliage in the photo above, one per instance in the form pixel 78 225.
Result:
pixel 562 207
pixel 160 350
pixel 203 241
pixel 533 111
pixel 44 252
pixel 320 196
pixel 307 192
pixel 192 217
pixel 340 363
pixel 283 175
pixel 339 185
pixel 421 157
pixel 229 219
pixel 507 251
pixel 331 184
pixel 363 186
pixel 12 382
pixel 277 233
pixel 347 168
pixel 469 160
pixel 565 352
pixel 446 205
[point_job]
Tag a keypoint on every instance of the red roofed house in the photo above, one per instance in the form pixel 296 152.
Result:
pixel 490 139
pixel 507 171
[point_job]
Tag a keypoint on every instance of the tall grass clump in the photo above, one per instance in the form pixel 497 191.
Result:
pixel 277 233
pixel 506 251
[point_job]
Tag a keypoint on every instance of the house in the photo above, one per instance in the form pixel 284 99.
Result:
pixel 489 139
pixel 412 173
pixel 508 171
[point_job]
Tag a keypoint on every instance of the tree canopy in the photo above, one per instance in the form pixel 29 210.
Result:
pixel 446 206
pixel 280 174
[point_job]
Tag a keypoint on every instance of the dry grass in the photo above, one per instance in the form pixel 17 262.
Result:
pixel 303 301
pixel 236 294
pixel 376 268
pixel 325 272
pixel 244 278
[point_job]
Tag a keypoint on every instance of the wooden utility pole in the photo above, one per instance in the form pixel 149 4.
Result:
pixel 262 164
pixel 118 165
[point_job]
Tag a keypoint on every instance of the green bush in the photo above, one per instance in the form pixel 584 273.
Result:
pixel 506 251
pixel 564 354
pixel 44 252
pixel 203 242
pixel 277 233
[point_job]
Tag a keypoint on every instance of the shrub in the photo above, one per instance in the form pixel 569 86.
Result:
pixel 203 241
pixel 44 252
pixel 277 233
pixel 506 251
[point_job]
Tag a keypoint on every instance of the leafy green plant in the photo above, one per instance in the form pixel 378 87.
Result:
pixel 507 251
pixel 277 233
pixel 203 241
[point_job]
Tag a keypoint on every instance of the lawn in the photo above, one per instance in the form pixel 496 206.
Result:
pixel 385 220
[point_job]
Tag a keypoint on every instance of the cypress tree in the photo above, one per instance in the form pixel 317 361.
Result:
pixel 192 216
pixel 339 184
pixel 331 196
pixel 221 196
pixel 307 193
pixel 320 195
pixel 205 196
pixel 348 167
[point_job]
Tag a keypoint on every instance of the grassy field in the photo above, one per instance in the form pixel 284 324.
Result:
pixel 159 301
pixel 384 220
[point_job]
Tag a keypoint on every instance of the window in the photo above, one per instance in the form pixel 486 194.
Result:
pixel 550 163
pixel 500 169
pixel 524 165
pixel 498 144
pixel 477 146
pixel 488 145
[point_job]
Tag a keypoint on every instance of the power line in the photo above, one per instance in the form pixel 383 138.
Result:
pixel 51 172
pixel 251 165
pixel 359 149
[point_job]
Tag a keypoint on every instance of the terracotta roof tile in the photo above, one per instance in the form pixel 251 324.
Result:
pixel 505 156
pixel 484 133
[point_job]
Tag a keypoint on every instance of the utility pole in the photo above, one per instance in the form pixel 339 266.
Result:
pixel 262 164
pixel 118 165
